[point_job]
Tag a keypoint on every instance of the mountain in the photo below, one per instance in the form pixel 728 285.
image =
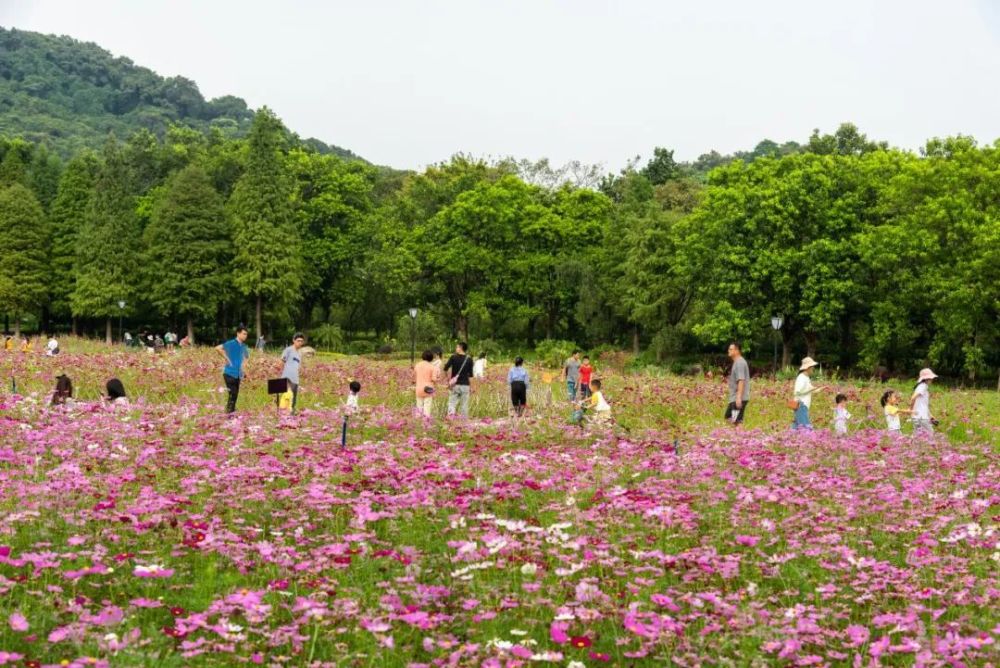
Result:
pixel 71 94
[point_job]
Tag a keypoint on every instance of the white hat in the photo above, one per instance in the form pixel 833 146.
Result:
pixel 926 374
pixel 808 363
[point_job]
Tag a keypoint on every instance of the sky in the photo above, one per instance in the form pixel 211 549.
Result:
pixel 407 83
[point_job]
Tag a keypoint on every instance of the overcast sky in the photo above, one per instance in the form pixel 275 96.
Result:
pixel 411 83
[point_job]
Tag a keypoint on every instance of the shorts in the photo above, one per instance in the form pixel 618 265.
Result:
pixel 731 410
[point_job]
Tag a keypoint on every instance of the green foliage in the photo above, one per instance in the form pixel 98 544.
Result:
pixel 553 352
pixel 71 94
pixel 268 260
pixel 328 336
pixel 24 240
pixel 108 246
pixel 188 247
pixel 67 215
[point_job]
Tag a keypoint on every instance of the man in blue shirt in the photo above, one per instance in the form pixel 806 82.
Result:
pixel 235 352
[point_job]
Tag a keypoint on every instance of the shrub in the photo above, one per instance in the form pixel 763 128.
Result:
pixel 553 352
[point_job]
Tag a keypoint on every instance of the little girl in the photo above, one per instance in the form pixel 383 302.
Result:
pixel 890 403
pixel 840 415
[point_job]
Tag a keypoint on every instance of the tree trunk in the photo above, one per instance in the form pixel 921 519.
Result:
pixel 786 348
pixel 107 332
pixel 17 325
pixel 6 322
pixel 635 339
pixel 73 326
pixel 462 327
pixel 190 328
pixel 811 339
pixel 258 322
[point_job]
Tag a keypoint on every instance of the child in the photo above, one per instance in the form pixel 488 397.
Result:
pixel 63 394
pixel 115 394
pixel 479 367
pixel 597 403
pixel 352 397
pixel 890 402
pixel 920 404
pixel 586 372
pixel 840 415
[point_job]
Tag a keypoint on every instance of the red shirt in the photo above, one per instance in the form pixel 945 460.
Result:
pixel 586 371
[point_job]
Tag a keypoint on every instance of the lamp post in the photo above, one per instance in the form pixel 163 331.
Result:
pixel 121 312
pixel 413 335
pixel 776 323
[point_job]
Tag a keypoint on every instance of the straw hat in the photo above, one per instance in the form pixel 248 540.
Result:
pixel 926 374
pixel 808 363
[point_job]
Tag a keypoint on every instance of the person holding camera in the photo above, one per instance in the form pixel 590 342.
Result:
pixel 425 375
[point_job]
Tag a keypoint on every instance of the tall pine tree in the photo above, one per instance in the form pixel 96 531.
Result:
pixel 268 260
pixel 68 212
pixel 107 257
pixel 188 248
pixel 24 239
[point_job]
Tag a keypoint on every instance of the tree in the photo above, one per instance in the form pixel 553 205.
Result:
pixel 24 239
pixel 107 258
pixel 268 260
pixel 661 167
pixel 188 248
pixel 67 215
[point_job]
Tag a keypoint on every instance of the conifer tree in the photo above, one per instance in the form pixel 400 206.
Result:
pixel 107 257
pixel 67 216
pixel 24 239
pixel 267 263
pixel 188 248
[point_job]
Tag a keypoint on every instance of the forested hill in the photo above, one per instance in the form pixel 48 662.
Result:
pixel 71 94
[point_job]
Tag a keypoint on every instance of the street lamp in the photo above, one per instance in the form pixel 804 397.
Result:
pixel 413 335
pixel 776 323
pixel 121 311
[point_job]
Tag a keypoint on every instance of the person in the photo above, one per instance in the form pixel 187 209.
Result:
pixel 185 342
pixel 158 343
pixel 260 343
pixel 438 359
pixel 353 390
pixel 8 343
pixel 235 353
pixel 920 403
pixel 115 393
pixel 52 347
pixel 26 345
pixel 128 340
pixel 802 393
pixel 425 375
pixel 586 373
pixel 459 368
pixel 598 404
pixel 170 339
pixel 293 363
pixel 571 373
pixel 739 385
pixel 64 391
pixel 479 367
pixel 519 382
pixel 840 415
pixel 890 406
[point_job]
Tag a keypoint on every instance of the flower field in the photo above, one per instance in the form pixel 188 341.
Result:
pixel 169 535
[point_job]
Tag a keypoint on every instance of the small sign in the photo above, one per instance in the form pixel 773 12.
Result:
pixel 277 386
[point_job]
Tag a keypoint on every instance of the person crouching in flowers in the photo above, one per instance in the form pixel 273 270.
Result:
pixel 890 405
pixel 840 415
pixel 63 394
pixel 115 394
pixel 598 404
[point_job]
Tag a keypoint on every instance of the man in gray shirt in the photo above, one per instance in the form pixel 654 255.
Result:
pixel 293 362
pixel 571 372
pixel 739 385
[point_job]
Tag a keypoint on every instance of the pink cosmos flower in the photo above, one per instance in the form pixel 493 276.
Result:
pixel 18 622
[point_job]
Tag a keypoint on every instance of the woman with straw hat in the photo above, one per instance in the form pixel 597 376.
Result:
pixel 920 403
pixel 802 394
